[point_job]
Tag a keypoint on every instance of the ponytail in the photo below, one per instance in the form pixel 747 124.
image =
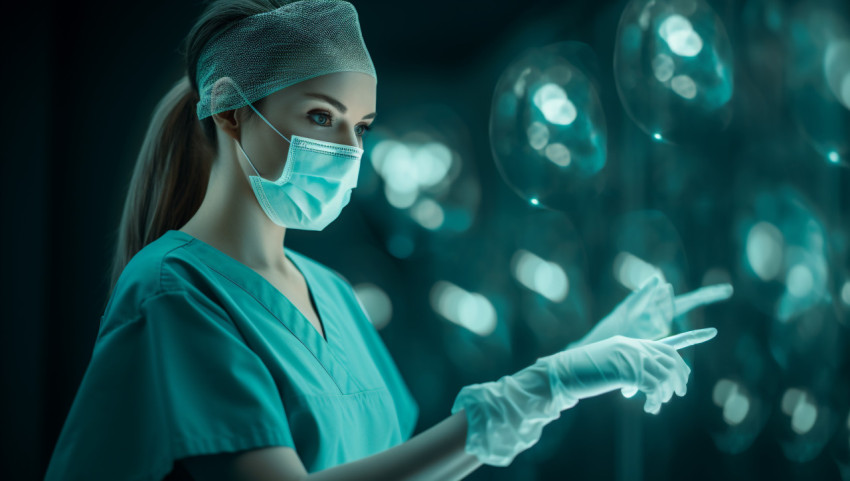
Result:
pixel 170 177
pixel 174 163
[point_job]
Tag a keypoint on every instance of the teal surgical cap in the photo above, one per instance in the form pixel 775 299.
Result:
pixel 264 53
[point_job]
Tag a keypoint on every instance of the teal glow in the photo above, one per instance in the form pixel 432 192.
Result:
pixel 554 104
pixel 680 36
pixel 673 68
pixel 551 141
pixel 544 277
pixel 833 157
pixel 467 309
pixel 764 250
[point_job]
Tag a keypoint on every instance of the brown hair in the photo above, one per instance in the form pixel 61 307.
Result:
pixel 174 163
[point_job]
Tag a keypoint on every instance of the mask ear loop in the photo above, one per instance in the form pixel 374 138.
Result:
pixel 258 112
pixel 287 168
pixel 249 159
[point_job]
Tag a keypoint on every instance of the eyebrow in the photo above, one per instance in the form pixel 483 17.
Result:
pixel 336 103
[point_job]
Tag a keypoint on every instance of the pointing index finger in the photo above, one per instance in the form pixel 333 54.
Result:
pixel 701 297
pixel 689 338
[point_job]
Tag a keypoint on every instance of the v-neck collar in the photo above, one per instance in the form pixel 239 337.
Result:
pixel 331 357
pixel 311 296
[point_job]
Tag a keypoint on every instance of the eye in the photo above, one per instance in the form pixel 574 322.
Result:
pixel 326 121
pixel 321 115
pixel 366 128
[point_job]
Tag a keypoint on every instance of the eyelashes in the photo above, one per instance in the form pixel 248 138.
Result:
pixel 329 122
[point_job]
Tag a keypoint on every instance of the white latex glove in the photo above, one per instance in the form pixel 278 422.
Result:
pixel 507 416
pixel 619 362
pixel 648 312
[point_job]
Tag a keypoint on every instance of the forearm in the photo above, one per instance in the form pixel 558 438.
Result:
pixel 435 454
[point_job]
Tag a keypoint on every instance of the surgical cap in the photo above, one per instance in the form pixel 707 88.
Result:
pixel 264 53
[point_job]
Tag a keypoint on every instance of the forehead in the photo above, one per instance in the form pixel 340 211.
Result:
pixel 339 81
pixel 355 90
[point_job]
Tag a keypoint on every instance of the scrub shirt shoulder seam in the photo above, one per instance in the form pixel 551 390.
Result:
pixel 162 262
pixel 177 291
pixel 118 326
pixel 138 317
pixel 158 290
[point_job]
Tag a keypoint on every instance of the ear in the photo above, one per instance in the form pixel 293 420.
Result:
pixel 228 121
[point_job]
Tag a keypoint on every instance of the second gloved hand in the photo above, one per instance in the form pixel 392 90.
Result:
pixel 619 362
pixel 507 416
pixel 648 312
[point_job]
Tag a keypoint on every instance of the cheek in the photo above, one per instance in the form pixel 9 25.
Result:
pixel 267 153
pixel 275 158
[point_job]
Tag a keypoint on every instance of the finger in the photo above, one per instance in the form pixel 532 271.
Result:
pixel 663 389
pixel 701 297
pixel 664 302
pixel 676 384
pixel 672 377
pixel 681 391
pixel 650 283
pixel 652 405
pixel 667 389
pixel 689 338
pixel 668 393
pixel 649 384
pixel 678 367
pixel 669 362
pixel 629 391
pixel 657 370
pixel 683 372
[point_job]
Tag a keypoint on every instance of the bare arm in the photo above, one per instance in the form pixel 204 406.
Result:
pixel 435 454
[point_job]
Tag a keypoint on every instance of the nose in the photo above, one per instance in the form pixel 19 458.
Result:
pixel 350 139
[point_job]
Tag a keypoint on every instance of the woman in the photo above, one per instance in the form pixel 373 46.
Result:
pixel 223 355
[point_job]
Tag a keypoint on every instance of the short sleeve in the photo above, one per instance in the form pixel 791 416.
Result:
pixel 177 381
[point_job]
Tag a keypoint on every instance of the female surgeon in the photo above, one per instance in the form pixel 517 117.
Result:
pixel 223 355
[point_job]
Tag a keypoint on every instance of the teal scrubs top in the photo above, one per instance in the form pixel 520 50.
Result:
pixel 199 354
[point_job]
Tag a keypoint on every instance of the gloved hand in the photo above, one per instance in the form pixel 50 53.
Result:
pixel 507 416
pixel 648 312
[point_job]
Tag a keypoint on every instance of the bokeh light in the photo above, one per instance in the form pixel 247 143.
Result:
pixel 783 259
pixel 548 264
pixel 643 244
pixel 547 128
pixel 673 68
pixel 818 76
pixel 805 424
pixel 420 182
pixel 375 302
pixel 470 310
pixel 739 400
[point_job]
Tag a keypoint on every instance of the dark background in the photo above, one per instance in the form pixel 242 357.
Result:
pixel 82 79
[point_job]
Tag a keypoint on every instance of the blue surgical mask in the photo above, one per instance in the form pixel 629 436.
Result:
pixel 314 186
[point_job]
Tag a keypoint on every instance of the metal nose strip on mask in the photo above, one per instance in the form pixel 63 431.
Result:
pixel 318 146
pixel 333 148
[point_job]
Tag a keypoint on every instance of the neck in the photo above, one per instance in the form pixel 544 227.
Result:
pixel 230 220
